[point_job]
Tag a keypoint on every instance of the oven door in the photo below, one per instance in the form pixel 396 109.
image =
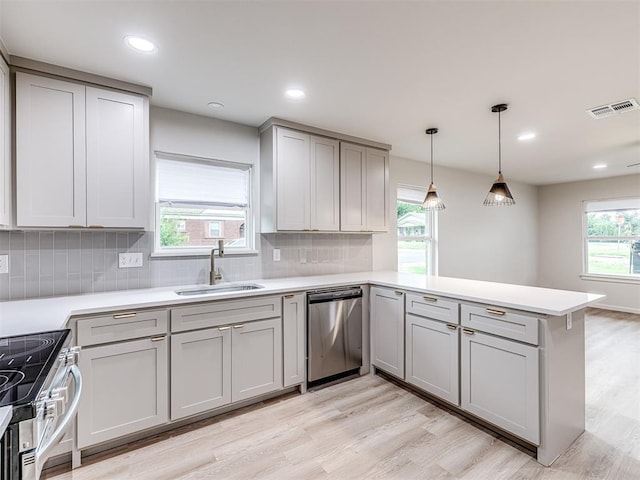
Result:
pixel 55 413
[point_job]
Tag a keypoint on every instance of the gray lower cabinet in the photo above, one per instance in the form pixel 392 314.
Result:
pixel 387 330
pixel 125 389
pixel 256 358
pixel 200 371
pixel 500 383
pixel 293 339
pixel 432 357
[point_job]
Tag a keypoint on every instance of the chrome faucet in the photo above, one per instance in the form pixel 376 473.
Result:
pixel 215 275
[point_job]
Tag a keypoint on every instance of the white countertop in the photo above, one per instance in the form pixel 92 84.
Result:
pixel 28 316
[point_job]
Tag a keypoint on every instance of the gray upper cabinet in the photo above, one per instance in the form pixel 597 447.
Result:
pixel 301 173
pixel 312 180
pixel 6 219
pixel 81 155
pixel 387 330
pixel 364 187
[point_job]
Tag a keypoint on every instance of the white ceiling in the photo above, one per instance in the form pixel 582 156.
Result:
pixel 382 70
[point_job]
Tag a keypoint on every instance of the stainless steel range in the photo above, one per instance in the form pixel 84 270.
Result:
pixel 39 379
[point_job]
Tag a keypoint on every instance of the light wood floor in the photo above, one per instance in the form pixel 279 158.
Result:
pixel 369 428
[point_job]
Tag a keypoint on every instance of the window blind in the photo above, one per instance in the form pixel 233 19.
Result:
pixel 411 194
pixel 203 182
pixel 617 205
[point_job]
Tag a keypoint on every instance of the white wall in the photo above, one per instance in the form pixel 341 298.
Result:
pixel 561 241
pixel 477 242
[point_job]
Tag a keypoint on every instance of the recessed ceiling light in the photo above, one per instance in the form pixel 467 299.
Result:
pixel 599 166
pixel 215 105
pixel 526 136
pixel 140 44
pixel 295 93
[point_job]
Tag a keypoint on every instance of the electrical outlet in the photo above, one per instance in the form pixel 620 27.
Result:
pixel 130 260
pixel 569 321
pixel 276 254
pixel 4 263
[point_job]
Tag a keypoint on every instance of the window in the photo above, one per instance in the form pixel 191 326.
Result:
pixel 215 229
pixel 198 202
pixel 416 233
pixel 612 238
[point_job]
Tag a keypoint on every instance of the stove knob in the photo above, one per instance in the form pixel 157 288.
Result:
pixel 62 392
pixel 60 402
pixel 50 409
pixel 71 355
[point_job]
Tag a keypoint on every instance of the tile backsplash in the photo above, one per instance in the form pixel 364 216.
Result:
pixel 45 263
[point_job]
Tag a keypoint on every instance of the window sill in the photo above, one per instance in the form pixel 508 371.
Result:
pixel 203 253
pixel 610 278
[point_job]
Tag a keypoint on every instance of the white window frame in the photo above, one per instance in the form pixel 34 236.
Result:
pixel 432 218
pixel 586 275
pixel 198 251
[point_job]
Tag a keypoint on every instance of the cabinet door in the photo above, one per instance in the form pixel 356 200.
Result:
pixel 377 188
pixel 117 160
pixel 5 146
pixel 292 179
pixel 293 339
pixel 200 371
pixel 125 389
pixel 50 152
pixel 325 184
pixel 256 358
pixel 500 383
pixel 353 210
pixel 432 357
pixel 387 330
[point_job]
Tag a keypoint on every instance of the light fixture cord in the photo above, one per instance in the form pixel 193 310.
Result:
pixel 431 157
pixel 499 145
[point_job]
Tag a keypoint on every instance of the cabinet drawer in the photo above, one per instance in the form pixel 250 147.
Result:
pixel 433 307
pixel 123 325
pixel 224 312
pixel 499 321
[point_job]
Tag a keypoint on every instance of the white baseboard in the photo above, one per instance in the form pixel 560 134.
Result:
pixel 616 308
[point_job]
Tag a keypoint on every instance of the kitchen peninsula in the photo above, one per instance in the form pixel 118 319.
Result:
pixel 515 354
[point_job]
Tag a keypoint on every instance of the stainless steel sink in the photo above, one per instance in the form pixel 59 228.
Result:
pixel 209 290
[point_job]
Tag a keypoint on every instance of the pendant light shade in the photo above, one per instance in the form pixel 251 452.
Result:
pixel 499 193
pixel 432 201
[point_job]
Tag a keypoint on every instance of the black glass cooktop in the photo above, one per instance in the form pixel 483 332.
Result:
pixel 25 362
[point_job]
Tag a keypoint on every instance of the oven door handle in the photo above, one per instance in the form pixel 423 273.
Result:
pixel 43 450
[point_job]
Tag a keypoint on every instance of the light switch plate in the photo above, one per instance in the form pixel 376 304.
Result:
pixel 4 263
pixel 130 260
pixel 276 254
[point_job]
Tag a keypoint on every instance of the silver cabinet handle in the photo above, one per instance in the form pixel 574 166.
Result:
pixel 223 328
pixel 398 292
pixel 467 331
pixel 452 327
pixel 124 315
pixel 289 296
pixel 158 339
pixel 430 299
pixel 494 311
pixel 238 326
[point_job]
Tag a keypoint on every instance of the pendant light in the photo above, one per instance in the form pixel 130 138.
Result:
pixel 432 201
pixel 499 193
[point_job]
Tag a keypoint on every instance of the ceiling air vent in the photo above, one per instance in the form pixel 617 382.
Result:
pixel 613 108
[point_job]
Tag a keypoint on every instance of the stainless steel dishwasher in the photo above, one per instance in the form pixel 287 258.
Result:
pixel 334 326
